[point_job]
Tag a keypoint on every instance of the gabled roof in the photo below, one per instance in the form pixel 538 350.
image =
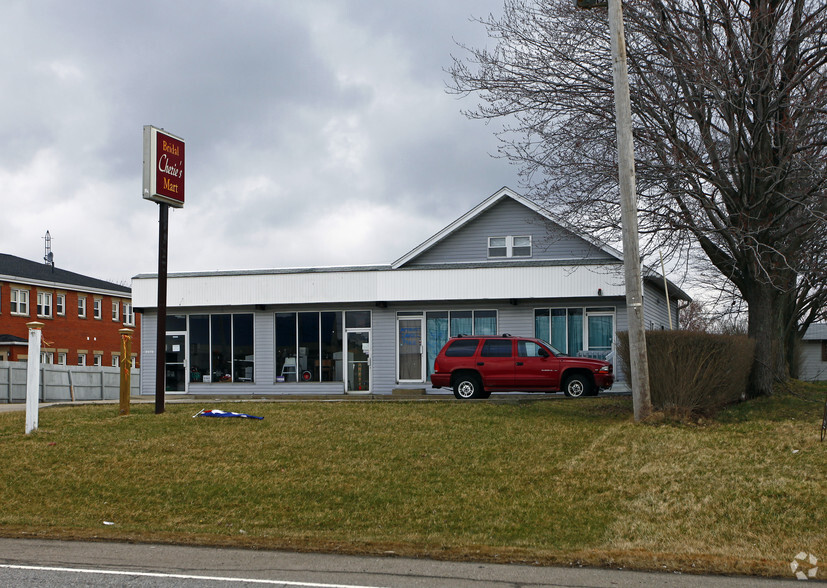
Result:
pixel 816 332
pixel 12 340
pixel 503 193
pixel 17 269
pixel 485 205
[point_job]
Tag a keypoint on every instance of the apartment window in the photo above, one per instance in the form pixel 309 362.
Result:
pixel 509 246
pixel 61 359
pixel 128 315
pixel 116 360
pixel 97 308
pixel 98 360
pixel 60 304
pixel 116 310
pixel 44 304
pixel 19 302
pixel 46 357
pixel 81 306
pixel 81 359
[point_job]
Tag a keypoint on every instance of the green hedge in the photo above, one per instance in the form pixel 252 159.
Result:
pixel 692 372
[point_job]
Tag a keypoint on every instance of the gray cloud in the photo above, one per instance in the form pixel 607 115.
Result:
pixel 317 132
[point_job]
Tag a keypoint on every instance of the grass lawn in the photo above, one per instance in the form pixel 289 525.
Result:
pixel 553 482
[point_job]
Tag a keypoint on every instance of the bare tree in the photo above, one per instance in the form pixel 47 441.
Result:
pixel 729 101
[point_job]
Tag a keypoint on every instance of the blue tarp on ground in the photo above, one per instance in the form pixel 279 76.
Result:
pixel 214 412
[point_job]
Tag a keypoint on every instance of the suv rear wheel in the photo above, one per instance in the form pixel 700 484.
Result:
pixel 577 385
pixel 468 386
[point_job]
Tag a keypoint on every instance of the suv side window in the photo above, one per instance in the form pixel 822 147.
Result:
pixel 529 349
pixel 496 348
pixel 462 348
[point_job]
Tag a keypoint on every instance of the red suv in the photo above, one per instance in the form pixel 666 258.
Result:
pixel 476 366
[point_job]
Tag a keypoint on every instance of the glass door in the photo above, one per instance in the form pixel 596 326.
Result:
pixel 410 350
pixel 600 328
pixel 358 361
pixel 176 362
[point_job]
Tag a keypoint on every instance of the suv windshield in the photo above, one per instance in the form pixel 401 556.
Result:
pixel 553 349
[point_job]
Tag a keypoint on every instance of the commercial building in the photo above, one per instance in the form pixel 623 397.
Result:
pixel 506 266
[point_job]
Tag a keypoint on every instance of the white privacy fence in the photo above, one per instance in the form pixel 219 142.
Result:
pixel 59 383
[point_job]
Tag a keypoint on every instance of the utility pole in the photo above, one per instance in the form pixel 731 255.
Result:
pixel 639 363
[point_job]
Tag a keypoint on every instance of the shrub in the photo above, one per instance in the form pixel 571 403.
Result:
pixel 692 372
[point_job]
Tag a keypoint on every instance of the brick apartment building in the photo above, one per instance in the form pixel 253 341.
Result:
pixel 81 315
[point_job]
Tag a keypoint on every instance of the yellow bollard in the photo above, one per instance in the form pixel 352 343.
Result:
pixel 126 369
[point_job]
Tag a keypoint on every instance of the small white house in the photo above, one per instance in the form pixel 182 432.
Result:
pixel 813 365
pixel 506 266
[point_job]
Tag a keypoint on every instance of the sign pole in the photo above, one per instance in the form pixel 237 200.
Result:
pixel 160 352
pixel 163 182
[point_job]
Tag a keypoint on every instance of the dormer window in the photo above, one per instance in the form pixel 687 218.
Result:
pixel 510 246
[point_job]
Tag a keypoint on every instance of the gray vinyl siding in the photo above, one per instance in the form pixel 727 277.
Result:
pixel 383 350
pixel 149 334
pixel 812 368
pixel 655 314
pixel 264 333
pixel 549 241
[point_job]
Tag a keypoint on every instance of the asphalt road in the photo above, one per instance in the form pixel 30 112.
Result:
pixel 44 563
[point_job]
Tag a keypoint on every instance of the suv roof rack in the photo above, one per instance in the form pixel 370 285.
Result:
pixel 506 334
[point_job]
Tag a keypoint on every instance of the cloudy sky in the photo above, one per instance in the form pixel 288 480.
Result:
pixel 318 132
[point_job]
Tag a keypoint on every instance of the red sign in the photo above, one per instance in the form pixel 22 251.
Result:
pixel 163 167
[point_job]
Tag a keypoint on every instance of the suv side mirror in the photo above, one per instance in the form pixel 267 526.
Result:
pixel 543 352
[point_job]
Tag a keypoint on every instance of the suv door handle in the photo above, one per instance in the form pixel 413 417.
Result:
pixel 519 363
pixel 480 363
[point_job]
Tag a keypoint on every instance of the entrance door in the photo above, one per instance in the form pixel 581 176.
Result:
pixel 176 362
pixel 600 328
pixel 410 349
pixel 358 361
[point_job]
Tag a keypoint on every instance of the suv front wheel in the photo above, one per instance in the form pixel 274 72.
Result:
pixel 468 386
pixel 577 385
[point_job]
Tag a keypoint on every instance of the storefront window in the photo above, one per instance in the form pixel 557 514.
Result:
pixel 286 347
pixel 332 336
pixel 436 335
pixel 485 322
pixel 221 347
pixel 199 347
pixel 541 325
pixel 461 323
pixel 572 330
pixel 243 357
pixel 357 319
pixel 309 345
pixel 575 339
